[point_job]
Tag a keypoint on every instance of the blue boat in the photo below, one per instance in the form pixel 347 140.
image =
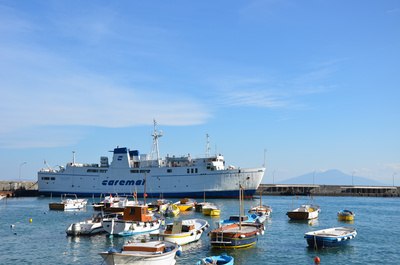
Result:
pixel 250 218
pixel 330 238
pixel 223 259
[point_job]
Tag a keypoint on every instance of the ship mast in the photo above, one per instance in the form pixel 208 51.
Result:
pixel 208 147
pixel 155 143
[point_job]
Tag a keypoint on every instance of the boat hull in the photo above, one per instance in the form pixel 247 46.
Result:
pixel 122 259
pixel 116 227
pixel 220 184
pixel 329 238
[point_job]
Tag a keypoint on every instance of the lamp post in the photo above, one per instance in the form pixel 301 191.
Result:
pixel 273 177
pixel 313 177
pixel 352 178
pixel 20 170
pixel 393 178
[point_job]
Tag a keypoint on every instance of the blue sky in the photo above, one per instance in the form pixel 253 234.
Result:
pixel 316 83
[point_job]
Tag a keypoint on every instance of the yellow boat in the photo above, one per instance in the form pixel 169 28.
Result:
pixel 346 215
pixel 211 210
pixel 186 204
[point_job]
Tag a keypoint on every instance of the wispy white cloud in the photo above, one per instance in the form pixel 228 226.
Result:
pixel 39 90
pixel 271 92
pixel 396 10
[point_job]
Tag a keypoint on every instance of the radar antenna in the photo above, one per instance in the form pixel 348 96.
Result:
pixel 155 150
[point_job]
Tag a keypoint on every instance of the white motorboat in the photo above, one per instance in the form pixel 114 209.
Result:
pixel 143 253
pixel 68 203
pixel 90 226
pixel 304 212
pixel 183 232
pixel 135 220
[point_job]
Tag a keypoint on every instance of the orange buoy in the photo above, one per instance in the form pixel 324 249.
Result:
pixel 317 260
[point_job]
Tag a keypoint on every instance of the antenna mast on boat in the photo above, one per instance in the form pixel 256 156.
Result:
pixel 208 147
pixel 155 143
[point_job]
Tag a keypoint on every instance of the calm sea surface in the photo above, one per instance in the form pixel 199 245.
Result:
pixel 44 241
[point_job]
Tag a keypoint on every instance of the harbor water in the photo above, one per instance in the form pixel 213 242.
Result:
pixel 32 234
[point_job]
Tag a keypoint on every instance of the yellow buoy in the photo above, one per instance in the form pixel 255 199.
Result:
pixel 311 223
pixel 30 220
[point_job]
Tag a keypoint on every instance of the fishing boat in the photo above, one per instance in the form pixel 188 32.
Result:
pixel 90 226
pixel 236 235
pixel 68 203
pixel 346 215
pixel 222 259
pixel 304 212
pixel 186 204
pixel 135 220
pixel 143 253
pixel 183 232
pixel 170 176
pixel 211 210
pixel 330 237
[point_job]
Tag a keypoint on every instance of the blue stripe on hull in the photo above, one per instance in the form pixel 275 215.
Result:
pixel 325 243
pixel 200 194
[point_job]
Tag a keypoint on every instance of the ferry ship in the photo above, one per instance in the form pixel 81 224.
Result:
pixel 133 173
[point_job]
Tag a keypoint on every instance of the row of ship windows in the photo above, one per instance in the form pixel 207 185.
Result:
pixel 47 178
pixel 189 170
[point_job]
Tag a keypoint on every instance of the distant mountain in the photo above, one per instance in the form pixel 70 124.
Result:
pixel 331 177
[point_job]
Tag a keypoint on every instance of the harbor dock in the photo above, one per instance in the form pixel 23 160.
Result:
pixel 30 188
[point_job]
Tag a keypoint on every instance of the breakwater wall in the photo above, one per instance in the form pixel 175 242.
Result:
pixel 30 188
pixel 328 190
pixel 18 188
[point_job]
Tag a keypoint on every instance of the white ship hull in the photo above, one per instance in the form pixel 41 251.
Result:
pixel 214 184
pixel 170 176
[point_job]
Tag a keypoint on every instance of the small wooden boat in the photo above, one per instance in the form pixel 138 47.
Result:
pixel 68 203
pixel 346 215
pixel 89 227
pixel 136 219
pixel 183 232
pixel 236 235
pixel 330 237
pixel 143 253
pixel 223 259
pixel 186 204
pixel 211 210
pixel 304 212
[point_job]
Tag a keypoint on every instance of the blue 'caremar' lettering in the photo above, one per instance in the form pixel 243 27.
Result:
pixel 122 182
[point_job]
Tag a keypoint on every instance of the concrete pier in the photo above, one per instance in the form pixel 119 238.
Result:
pixel 328 190
pixel 18 188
